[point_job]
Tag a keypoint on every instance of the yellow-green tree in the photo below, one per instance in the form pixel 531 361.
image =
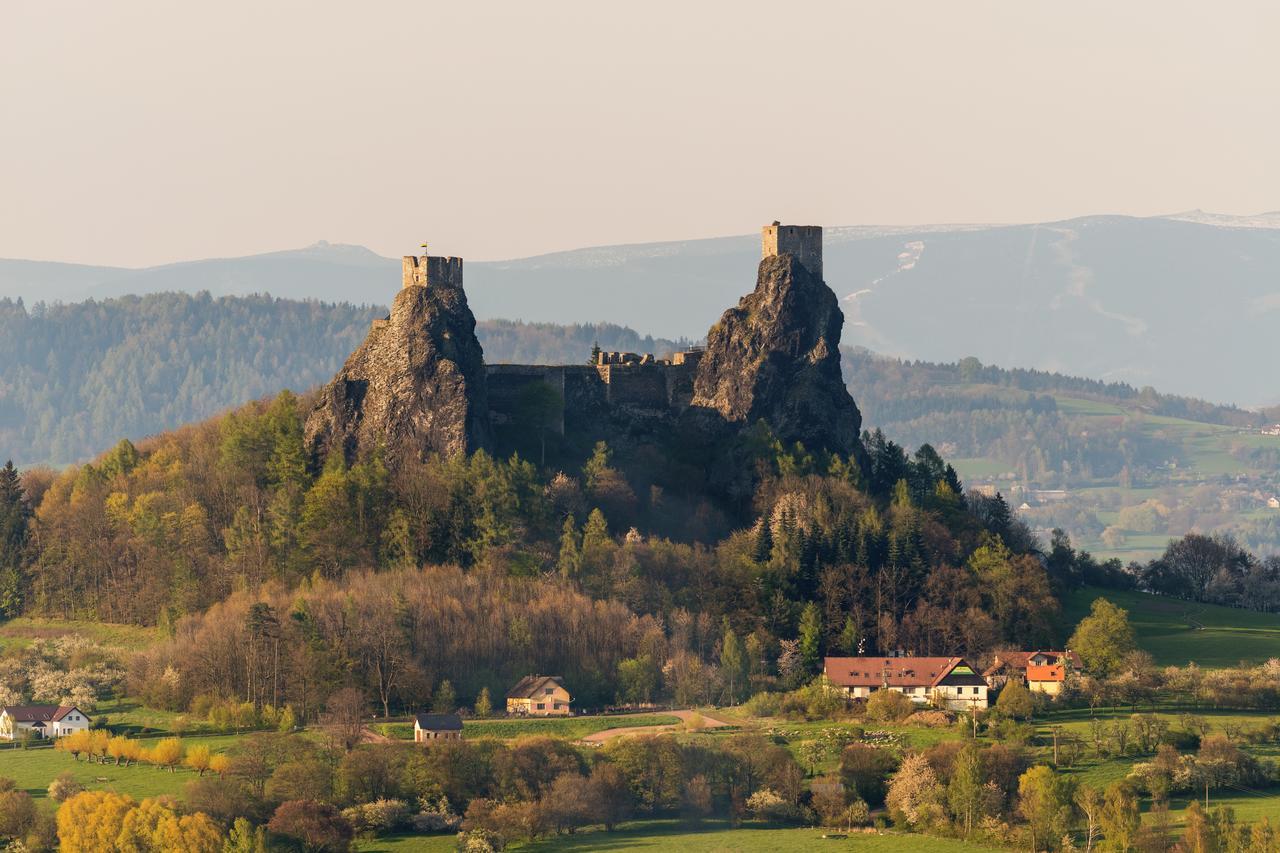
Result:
pixel 90 822
pixel 154 826
pixel 198 758
pixel 166 753
pixel 219 764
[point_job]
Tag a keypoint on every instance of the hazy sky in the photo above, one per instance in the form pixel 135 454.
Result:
pixel 136 133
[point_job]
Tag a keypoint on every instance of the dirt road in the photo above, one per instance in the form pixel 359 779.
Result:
pixel 627 731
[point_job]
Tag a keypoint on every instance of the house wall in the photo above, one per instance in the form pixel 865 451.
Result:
pixel 429 735
pixel 559 696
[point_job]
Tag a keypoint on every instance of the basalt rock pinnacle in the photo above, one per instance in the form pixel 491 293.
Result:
pixel 776 358
pixel 416 386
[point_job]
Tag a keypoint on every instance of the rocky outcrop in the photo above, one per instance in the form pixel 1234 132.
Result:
pixel 415 387
pixel 776 357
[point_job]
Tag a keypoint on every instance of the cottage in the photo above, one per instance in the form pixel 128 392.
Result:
pixel 43 721
pixel 947 682
pixel 539 696
pixel 1045 671
pixel 428 728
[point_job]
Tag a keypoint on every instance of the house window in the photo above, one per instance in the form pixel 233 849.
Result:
pixel 549 691
pixel 542 706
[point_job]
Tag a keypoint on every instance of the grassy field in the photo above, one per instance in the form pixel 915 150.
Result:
pixel 567 727
pixel 711 837
pixel 21 631
pixel 34 769
pixel 1176 632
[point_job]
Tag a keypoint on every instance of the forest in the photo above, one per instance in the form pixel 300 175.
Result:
pixel 76 377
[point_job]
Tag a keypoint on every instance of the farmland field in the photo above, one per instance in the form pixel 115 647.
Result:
pixel 566 727
pixel 1177 632
pixel 710 837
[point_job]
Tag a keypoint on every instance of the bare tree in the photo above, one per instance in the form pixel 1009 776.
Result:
pixel 343 717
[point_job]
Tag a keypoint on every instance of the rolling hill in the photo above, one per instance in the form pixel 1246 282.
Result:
pixel 1183 303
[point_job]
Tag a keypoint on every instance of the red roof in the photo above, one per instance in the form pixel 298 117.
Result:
pixel 1021 660
pixel 1053 672
pixel 39 713
pixel 896 672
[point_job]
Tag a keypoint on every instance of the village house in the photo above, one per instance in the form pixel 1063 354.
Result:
pixel 433 727
pixel 539 696
pixel 43 721
pixel 946 682
pixel 1045 671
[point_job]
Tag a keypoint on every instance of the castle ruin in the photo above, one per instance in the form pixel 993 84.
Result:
pixel 419 384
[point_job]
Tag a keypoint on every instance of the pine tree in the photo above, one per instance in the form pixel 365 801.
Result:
pixel 762 551
pixel 15 528
pixel 570 560
pixel 850 637
pixel 446 698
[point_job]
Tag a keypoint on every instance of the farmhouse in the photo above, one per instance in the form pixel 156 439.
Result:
pixel 434 727
pixel 946 682
pixel 43 721
pixel 1045 671
pixel 539 696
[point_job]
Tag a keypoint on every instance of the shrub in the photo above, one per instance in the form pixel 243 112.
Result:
pixel 436 816
pixel 479 841
pixel 377 817
pixel 318 826
pixel 64 787
pixel 763 705
pixel 768 805
pixel 889 706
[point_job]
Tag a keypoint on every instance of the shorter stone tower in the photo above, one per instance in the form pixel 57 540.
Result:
pixel 804 242
pixel 427 271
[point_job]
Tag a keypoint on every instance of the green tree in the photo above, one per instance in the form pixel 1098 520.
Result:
pixel 1103 638
pixel 637 679
pixel 15 528
pixel 850 637
pixel 1015 700
pixel 446 698
pixel 762 547
pixel 733 664
pixel 965 792
pixel 811 636
pixel 570 560
pixel 484 705
pixel 328 530
pixel 1046 801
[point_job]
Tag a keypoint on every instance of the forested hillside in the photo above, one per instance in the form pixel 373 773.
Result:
pixel 1122 469
pixel 75 378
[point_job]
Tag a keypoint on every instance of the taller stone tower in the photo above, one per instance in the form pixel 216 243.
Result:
pixel 428 271
pixel 802 241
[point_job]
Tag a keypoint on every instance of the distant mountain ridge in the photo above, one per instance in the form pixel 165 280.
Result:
pixel 1182 302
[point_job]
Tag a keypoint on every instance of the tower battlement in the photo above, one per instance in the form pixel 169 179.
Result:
pixel 802 241
pixel 427 271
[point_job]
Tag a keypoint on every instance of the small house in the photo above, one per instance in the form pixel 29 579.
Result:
pixel 1044 671
pixel 1273 502
pixel 947 682
pixel 428 728
pixel 539 696
pixel 43 721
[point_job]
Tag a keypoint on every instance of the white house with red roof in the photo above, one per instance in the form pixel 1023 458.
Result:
pixel 946 682
pixel 43 721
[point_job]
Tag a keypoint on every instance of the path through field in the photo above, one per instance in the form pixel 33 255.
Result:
pixel 627 731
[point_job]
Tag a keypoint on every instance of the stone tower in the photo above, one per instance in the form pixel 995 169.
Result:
pixel 428 271
pixel 802 241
